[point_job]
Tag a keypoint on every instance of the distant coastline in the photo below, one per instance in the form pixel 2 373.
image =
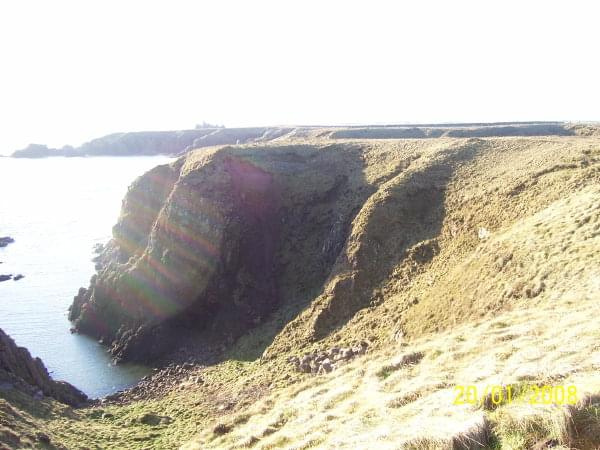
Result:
pixel 149 143
pixel 174 143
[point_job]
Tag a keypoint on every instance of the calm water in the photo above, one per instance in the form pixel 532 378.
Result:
pixel 56 209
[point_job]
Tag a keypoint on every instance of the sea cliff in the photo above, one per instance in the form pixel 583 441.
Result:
pixel 19 370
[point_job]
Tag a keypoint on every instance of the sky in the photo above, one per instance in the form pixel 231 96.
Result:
pixel 74 70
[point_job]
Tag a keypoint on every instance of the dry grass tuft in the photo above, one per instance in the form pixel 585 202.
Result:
pixel 403 361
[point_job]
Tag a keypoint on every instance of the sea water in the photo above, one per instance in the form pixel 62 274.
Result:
pixel 57 209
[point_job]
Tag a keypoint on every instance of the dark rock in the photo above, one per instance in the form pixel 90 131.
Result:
pixel 113 397
pixel 154 419
pixel 251 441
pixel 359 350
pixel 5 277
pixel 326 366
pixel 410 358
pixel 346 353
pixel 326 361
pixel 141 314
pixel 42 437
pixel 545 443
pixel 269 430
pixel 221 429
pixel 5 240
pixel 17 365
pixel 18 277
pixel 8 437
pixel 201 244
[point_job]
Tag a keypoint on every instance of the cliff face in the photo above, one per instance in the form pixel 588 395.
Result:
pixel 18 369
pixel 202 244
pixel 221 239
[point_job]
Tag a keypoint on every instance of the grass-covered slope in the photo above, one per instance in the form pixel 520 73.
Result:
pixel 457 261
pixel 402 396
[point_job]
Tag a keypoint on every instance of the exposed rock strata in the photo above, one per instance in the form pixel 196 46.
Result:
pixel 204 244
pixel 221 239
pixel 18 369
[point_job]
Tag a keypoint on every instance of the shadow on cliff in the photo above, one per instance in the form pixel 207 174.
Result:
pixel 394 238
pixel 398 239
pixel 275 223
pixel 319 192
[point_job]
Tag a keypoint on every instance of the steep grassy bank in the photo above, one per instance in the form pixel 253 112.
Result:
pixel 458 261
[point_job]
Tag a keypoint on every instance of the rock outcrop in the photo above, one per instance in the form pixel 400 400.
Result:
pixel 207 243
pixel 302 237
pixel 19 370
pixel 4 241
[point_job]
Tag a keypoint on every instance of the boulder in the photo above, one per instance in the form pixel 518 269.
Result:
pixel 5 240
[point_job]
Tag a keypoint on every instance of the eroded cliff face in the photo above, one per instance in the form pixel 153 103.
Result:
pixel 306 242
pixel 19 370
pixel 207 243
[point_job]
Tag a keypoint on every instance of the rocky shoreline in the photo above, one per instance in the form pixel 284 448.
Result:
pixel 160 382
pixel 4 241
pixel 19 370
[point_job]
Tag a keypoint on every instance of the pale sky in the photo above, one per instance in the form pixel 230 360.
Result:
pixel 74 70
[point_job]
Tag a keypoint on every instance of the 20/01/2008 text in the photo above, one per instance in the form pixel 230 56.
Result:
pixel 495 395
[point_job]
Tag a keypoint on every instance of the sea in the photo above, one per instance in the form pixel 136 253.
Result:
pixel 57 209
